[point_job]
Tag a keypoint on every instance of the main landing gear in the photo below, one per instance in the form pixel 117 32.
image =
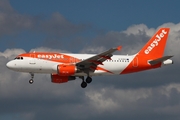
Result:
pixel 84 83
pixel 31 80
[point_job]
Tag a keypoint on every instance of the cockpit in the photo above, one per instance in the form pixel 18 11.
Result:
pixel 18 58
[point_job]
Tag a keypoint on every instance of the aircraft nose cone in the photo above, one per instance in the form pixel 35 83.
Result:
pixel 9 65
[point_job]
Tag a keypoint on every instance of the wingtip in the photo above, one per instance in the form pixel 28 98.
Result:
pixel 119 47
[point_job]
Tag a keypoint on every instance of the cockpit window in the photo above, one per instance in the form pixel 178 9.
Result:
pixel 19 58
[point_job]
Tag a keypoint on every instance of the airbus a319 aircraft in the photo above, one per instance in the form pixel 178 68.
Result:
pixel 66 67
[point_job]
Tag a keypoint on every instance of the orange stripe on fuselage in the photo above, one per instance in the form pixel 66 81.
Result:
pixel 100 68
pixel 139 63
pixel 55 57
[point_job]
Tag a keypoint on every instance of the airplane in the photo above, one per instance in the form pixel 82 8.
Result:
pixel 64 67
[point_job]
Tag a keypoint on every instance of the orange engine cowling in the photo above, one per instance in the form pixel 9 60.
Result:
pixel 66 70
pixel 55 78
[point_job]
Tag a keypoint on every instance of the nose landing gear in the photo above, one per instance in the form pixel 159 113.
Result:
pixel 31 80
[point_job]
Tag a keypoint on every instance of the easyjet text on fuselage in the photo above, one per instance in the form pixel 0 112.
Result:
pixel 50 56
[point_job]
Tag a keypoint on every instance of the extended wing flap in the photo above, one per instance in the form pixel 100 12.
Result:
pixel 159 60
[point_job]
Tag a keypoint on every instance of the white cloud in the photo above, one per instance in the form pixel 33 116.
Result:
pixel 134 38
pixel 138 29
pixel 173 40
pixel 45 49
pixel 108 99
pixel 11 53
pixel 93 49
pixel 101 102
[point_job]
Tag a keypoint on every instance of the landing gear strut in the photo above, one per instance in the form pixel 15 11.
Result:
pixel 31 80
pixel 88 80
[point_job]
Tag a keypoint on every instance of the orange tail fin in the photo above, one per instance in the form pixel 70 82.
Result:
pixel 156 45
pixel 153 50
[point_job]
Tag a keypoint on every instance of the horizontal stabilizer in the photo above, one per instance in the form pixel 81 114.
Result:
pixel 159 60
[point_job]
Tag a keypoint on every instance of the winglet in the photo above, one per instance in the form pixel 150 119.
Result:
pixel 119 47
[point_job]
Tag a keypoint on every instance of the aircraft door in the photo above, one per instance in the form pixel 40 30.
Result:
pixel 32 59
pixel 135 62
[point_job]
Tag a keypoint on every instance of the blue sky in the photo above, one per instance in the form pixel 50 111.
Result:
pixel 98 17
pixel 104 14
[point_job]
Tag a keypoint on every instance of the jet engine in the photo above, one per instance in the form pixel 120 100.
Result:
pixel 66 70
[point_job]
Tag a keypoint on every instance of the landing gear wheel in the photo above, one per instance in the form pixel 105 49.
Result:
pixel 31 81
pixel 88 80
pixel 83 84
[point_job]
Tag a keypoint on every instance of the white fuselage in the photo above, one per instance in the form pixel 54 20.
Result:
pixel 37 65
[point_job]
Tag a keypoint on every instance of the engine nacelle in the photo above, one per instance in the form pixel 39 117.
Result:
pixel 66 70
pixel 167 62
pixel 55 78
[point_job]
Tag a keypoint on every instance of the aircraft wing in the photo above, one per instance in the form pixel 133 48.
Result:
pixel 159 60
pixel 92 62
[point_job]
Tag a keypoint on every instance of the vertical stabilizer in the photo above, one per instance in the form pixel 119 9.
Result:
pixel 154 48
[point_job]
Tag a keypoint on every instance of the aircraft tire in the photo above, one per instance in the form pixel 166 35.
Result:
pixel 83 84
pixel 88 80
pixel 31 81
